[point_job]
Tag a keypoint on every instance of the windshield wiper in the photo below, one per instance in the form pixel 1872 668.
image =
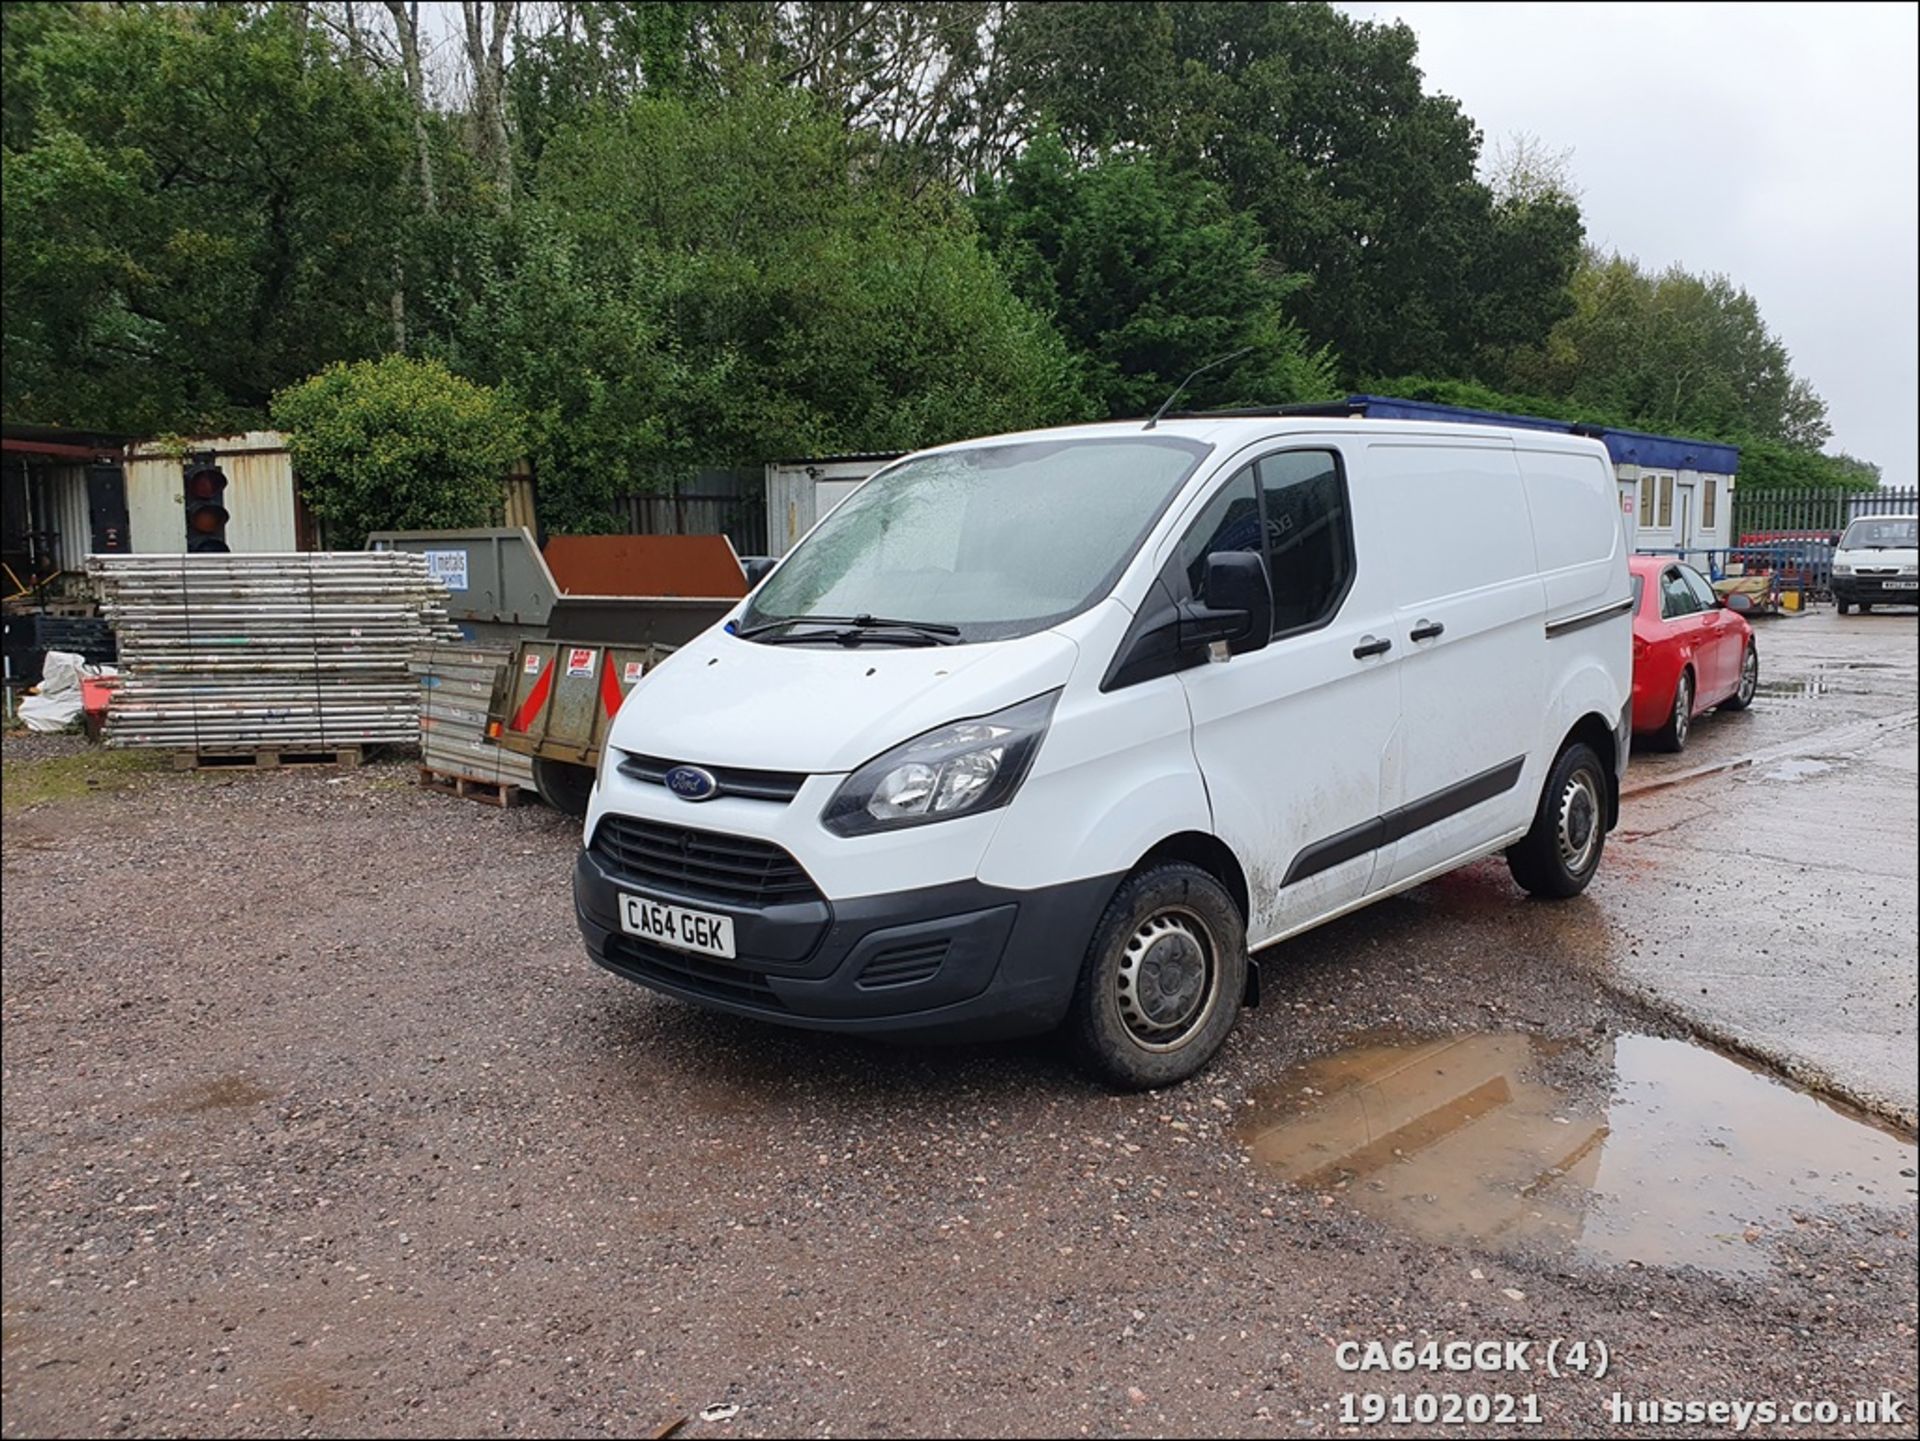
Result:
pixel 848 629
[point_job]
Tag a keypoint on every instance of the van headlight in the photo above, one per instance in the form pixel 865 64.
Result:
pixel 1843 567
pixel 955 770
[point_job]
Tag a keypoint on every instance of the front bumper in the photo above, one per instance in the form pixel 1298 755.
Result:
pixel 1885 589
pixel 960 961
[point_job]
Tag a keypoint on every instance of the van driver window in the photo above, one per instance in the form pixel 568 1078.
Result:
pixel 1309 544
pixel 1230 521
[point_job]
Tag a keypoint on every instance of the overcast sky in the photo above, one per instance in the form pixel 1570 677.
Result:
pixel 1774 143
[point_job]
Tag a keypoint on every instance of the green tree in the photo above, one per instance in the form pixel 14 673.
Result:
pixel 1149 275
pixel 1318 126
pixel 1674 351
pixel 201 205
pixel 397 444
pixel 722 281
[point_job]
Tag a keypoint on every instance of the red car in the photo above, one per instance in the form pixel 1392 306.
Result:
pixel 1690 653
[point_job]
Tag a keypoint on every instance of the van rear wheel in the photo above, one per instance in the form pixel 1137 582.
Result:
pixel 1162 980
pixel 1559 855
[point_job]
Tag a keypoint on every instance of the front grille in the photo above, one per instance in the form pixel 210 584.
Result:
pixel 780 786
pixel 904 965
pixel 687 972
pixel 732 870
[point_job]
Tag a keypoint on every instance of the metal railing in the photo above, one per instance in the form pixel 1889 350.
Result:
pixel 1790 534
pixel 1805 566
pixel 1767 514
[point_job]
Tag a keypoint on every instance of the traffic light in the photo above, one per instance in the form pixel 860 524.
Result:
pixel 204 486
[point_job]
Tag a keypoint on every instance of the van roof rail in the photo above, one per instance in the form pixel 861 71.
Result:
pixel 1333 408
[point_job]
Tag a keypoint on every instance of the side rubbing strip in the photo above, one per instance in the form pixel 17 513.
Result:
pixel 1357 840
pixel 1592 617
pixel 1337 850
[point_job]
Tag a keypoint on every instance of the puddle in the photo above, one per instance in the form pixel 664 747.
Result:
pixel 1833 678
pixel 1798 769
pixel 1630 1149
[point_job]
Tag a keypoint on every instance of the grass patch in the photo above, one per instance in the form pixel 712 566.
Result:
pixel 54 779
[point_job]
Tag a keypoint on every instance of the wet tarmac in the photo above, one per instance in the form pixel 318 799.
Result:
pixel 1764 886
pixel 1631 1149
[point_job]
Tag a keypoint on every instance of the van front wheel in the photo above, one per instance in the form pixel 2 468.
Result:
pixel 1559 855
pixel 1163 978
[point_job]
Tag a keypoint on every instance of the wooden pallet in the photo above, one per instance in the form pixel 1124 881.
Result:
pixel 493 793
pixel 266 760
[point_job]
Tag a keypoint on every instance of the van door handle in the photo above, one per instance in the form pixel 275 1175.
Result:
pixel 1427 630
pixel 1369 645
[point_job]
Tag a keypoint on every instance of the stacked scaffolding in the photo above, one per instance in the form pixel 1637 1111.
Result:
pixel 226 654
pixel 456 683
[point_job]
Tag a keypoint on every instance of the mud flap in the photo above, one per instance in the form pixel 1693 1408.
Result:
pixel 1250 998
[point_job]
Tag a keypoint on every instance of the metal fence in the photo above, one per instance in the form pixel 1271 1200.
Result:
pixel 1790 534
pixel 1767 514
pixel 732 503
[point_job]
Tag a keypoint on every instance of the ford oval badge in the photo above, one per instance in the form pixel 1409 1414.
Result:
pixel 690 783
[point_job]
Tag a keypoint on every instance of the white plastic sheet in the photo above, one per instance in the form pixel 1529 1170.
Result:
pixel 56 702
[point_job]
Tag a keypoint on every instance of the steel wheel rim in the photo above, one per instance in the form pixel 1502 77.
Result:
pixel 1749 675
pixel 1577 825
pixel 1167 980
pixel 1682 708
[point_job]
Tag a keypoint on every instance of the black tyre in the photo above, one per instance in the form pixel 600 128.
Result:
pixel 1163 979
pixel 1559 855
pixel 1842 606
pixel 562 785
pixel 1749 680
pixel 1673 735
pixel 1866 607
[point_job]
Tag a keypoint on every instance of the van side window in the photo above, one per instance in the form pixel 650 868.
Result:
pixel 1230 521
pixel 1676 596
pixel 1309 537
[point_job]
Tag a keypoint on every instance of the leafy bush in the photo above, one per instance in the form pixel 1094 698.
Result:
pixel 725 283
pixel 397 444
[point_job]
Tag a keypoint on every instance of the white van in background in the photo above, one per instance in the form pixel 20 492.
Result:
pixel 1059 728
pixel 1877 562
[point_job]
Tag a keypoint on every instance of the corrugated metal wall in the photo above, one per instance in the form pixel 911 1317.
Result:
pixel 518 508
pixel 72 519
pixel 259 495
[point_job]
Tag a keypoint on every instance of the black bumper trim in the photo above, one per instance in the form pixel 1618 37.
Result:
pixel 1875 588
pixel 1009 965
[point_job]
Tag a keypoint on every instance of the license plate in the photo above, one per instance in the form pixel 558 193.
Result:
pixel 676 926
pixel 1903 585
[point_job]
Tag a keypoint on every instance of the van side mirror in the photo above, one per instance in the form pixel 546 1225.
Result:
pixel 756 567
pixel 1238 608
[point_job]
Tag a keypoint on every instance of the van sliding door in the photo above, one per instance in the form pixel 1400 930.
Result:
pixel 1467 623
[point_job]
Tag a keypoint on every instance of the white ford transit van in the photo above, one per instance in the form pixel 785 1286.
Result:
pixel 1064 728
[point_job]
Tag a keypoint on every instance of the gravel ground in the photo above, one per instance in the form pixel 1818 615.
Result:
pixel 317 1121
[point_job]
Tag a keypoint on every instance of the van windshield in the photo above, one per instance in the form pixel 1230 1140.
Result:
pixel 1885 533
pixel 984 543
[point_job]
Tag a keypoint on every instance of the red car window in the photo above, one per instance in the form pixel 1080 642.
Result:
pixel 1676 596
